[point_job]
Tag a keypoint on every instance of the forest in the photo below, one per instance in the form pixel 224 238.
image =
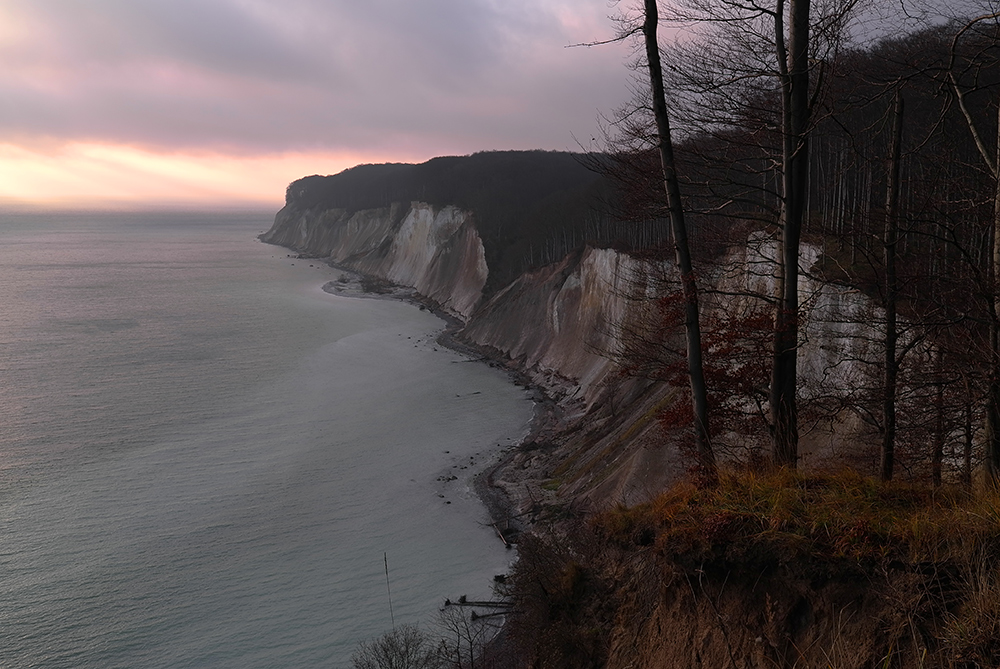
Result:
pixel 531 207
pixel 779 124
pixel 894 159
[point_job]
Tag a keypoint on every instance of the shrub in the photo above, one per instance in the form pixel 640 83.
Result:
pixel 405 647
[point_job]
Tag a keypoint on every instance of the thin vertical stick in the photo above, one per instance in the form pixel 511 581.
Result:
pixel 392 618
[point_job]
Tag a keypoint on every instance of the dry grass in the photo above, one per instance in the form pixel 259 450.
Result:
pixel 947 539
pixel 971 634
pixel 892 575
pixel 845 518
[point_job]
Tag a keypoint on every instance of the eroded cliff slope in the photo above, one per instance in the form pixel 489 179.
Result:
pixel 557 324
pixel 567 324
pixel 437 251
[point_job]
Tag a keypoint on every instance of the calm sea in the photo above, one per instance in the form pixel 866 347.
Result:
pixel 204 457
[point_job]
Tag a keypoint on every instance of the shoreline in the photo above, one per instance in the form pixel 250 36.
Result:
pixel 507 523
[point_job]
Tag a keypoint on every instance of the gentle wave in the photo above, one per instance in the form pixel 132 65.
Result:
pixel 203 457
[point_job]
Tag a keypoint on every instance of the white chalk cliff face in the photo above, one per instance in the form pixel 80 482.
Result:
pixel 437 251
pixel 560 321
pixel 560 324
pixel 555 321
pixel 839 325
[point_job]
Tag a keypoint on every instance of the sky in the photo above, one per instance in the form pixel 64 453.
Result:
pixel 127 103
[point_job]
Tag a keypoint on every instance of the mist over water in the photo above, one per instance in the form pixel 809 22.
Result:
pixel 203 457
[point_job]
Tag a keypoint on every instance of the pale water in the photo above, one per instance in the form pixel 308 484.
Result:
pixel 204 457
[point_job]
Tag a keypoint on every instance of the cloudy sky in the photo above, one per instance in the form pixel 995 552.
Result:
pixel 111 102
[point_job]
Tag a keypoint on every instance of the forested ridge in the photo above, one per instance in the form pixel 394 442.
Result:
pixel 531 207
pixel 900 206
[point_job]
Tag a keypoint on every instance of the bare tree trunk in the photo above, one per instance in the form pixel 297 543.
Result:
pixel 696 375
pixel 794 68
pixel 992 446
pixel 891 293
pixel 968 434
pixel 937 455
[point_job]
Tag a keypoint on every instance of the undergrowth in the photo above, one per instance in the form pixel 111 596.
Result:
pixel 924 565
pixel 844 518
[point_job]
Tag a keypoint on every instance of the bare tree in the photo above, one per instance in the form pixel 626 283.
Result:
pixel 793 74
pixel 689 287
pixel 405 647
pixel 991 159
pixel 889 242
pixel 628 162
pixel 466 638
pixel 753 70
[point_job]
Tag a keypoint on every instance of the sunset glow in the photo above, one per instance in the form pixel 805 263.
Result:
pixel 117 176
pixel 222 103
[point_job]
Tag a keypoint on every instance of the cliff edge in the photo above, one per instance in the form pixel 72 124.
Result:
pixel 564 323
pixel 815 571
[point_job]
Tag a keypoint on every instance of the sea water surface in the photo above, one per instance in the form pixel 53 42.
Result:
pixel 204 458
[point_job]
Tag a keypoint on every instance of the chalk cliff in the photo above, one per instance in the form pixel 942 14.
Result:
pixel 437 251
pixel 540 288
pixel 561 325
pixel 556 324
pixel 554 321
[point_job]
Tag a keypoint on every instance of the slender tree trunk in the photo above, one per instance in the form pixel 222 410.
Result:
pixel 795 164
pixel 992 447
pixel 937 456
pixel 696 375
pixel 968 434
pixel 891 293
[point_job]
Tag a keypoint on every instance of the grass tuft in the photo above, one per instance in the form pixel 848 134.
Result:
pixel 784 515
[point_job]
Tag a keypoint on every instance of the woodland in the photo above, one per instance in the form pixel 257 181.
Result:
pixel 883 156
pixel 869 133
